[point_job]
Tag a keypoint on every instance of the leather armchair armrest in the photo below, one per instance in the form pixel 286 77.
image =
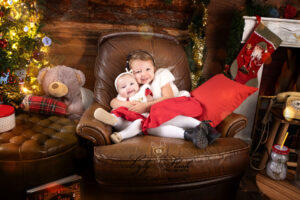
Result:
pixel 232 124
pixel 92 129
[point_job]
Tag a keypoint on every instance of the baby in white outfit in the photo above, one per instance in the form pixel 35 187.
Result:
pixel 128 90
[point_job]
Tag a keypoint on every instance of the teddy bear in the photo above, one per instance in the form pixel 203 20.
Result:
pixel 65 83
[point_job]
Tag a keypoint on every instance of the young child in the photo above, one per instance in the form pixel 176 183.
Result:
pixel 128 123
pixel 171 123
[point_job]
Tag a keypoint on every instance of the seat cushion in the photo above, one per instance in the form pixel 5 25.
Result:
pixel 37 136
pixel 150 160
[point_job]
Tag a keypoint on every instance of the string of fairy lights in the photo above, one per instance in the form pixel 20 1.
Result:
pixel 23 48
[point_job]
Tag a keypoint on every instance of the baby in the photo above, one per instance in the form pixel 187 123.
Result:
pixel 128 90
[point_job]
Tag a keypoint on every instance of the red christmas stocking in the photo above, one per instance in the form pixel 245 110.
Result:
pixel 260 45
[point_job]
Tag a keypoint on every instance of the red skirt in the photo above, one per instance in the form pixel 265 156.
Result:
pixel 164 111
pixel 127 114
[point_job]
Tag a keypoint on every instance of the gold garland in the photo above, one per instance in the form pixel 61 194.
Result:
pixel 197 36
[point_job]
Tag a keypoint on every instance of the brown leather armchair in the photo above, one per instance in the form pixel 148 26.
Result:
pixel 147 164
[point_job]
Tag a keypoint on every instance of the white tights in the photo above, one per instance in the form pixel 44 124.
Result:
pixel 173 128
pixel 132 130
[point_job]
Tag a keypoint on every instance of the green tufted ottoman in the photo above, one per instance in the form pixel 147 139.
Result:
pixel 38 150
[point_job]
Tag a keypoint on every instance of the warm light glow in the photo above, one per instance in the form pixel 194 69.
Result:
pixel 14 46
pixel 44 49
pixel 13 33
pixel 24 90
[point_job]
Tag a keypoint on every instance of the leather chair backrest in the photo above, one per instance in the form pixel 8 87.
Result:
pixel 113 49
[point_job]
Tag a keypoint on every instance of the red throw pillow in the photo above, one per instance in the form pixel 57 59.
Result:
pixel 220 96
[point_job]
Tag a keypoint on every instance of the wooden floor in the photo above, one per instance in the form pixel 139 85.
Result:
pixel 278 190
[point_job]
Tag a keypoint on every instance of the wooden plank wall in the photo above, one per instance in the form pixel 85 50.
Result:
pixel 75 25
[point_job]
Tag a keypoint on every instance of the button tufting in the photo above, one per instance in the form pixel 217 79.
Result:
pixel 17 140
pixel 37 137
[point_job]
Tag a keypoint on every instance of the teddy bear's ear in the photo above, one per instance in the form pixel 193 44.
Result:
pixel 42 74
pixel 80 77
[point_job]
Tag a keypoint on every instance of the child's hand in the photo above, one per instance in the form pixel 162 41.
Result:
pixel 149 98
pixel 139 108
pixel 115 103
pixel 129 104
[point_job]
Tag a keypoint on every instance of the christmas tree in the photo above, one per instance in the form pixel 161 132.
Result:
pixel 23 48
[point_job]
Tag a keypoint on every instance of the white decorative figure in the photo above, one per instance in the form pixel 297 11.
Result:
pixel 4 79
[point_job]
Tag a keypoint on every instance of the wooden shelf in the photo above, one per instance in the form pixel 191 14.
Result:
pixel 281 190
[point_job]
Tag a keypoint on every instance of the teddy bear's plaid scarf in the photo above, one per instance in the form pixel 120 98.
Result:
pixel 43 105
